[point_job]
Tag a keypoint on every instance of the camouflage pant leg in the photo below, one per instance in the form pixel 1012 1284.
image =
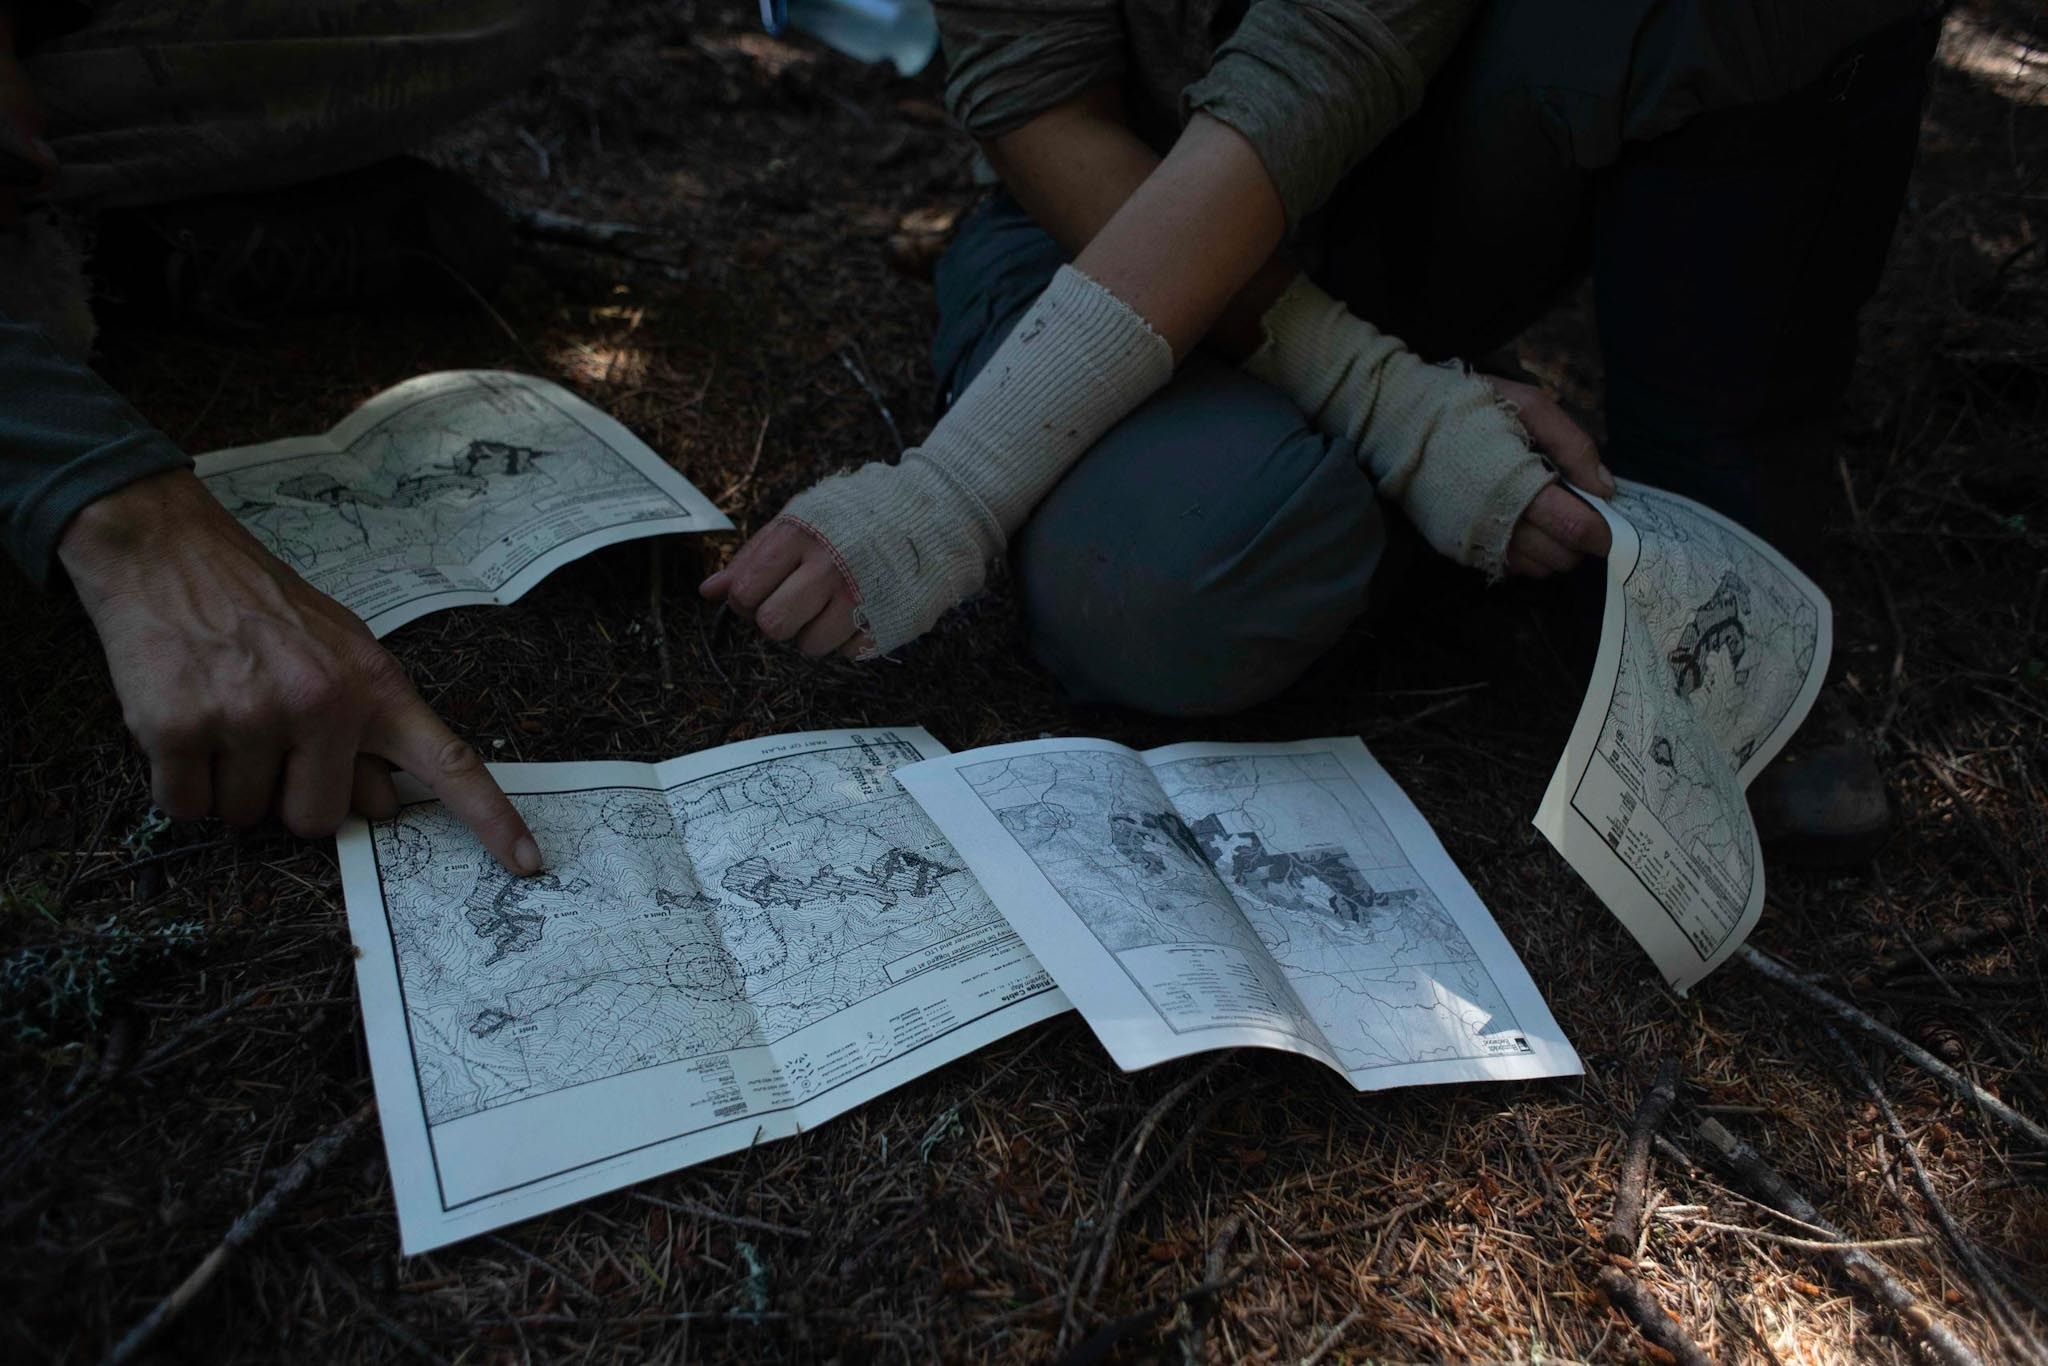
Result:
pixel 157 101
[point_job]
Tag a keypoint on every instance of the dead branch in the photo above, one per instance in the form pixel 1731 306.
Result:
pixel 1854 1265
pixel 1650 1317
pixel 868 387
pixel 1332 1338
pixel 1627 1223
pixel 1780 975
pixel 1104 1239
pixel 1202 1311
pixel 302 1169
pixel 1764 1235
pixel 1934 946
pixel 2018 1335
pixel 1097 1346
pixel 1371 1221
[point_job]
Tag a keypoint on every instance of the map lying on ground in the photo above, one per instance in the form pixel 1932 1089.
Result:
pixel 725 949
pixel 1712 651
pixel 454 489
pixel 1216 895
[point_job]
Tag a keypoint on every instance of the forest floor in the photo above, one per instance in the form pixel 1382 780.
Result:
pixel 180 1020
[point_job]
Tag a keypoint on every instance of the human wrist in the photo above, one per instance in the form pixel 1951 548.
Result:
pixel 915 538
pixel 114 538
pixel 1436 439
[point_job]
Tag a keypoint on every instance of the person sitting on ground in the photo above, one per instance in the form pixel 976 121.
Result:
pixel 1215 306
pixel 170 131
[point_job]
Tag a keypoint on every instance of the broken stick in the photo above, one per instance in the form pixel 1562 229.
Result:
pixel 1627 1224
pixel 1771 970
pixel 310 1160
pixel 1856 1266
pixel 1650 1317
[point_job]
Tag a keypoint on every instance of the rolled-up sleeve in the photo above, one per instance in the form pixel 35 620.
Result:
pixel 1315 85
pixel 1007 63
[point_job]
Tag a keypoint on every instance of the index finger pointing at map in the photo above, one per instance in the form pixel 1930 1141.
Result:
pixel 416 740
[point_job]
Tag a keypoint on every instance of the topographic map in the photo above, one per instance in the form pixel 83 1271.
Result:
pixel 1711 653
pixel 722 949
pixel 1735 630
pixel 725 913
pixel 455 488
pixel 1237 887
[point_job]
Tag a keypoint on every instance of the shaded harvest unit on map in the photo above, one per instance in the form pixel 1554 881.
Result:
pixel 1253 890
pixel 728 912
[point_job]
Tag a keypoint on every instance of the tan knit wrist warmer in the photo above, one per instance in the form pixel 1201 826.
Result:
pixel 1436 439
pixel 916 537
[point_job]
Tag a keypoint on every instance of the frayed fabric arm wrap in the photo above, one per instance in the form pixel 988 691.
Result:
pixel 916 537
pixel 1437 440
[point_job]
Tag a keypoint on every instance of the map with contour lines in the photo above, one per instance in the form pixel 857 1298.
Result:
pixel 724 913
pixel 1281 855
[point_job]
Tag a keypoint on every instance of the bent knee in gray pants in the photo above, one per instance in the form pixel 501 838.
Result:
pixel 1202 554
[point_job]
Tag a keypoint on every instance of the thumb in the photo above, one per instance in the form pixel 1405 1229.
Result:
pixel 1562 441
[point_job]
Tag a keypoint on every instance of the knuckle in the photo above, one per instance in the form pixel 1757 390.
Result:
pixel 379 668
pixel 316 692
pixel 774 624
pixel 749 589
pixel 457 758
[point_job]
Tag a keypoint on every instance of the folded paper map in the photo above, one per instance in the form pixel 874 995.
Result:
pixel 462 488
pixel 1712 650
pixel 1281 896
pixel 725 949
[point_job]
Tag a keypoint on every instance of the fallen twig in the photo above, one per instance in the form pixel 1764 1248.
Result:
pixel 1372 1221
pixel 1627 1224
pixel 1650 1317
pixel 1200 1314
pixel 701 1211
pixel 1934 946
pixel 1859 1268
pixel 1777 973
pixel 622 240
pixel 2019 1336
pixel 1764 1235
pixel 867 386
pixel 1103 1242
pixel 1332 1338
pixel 1098 1344
pixel 303 1168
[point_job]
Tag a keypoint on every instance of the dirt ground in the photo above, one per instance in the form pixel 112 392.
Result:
pixel 179 1017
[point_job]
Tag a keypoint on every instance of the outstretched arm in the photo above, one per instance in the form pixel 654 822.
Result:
pixel 250 690
pixel 1174 253
pixel 1189 246
pixel 1078 166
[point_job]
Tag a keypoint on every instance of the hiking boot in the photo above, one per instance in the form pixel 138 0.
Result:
pixel 398 229
pixel 1822 802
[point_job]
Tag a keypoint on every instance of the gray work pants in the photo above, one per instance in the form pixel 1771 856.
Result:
pixel 1211 546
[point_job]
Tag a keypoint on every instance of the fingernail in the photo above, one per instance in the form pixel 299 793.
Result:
pixel 1607 476
pixel 527 855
